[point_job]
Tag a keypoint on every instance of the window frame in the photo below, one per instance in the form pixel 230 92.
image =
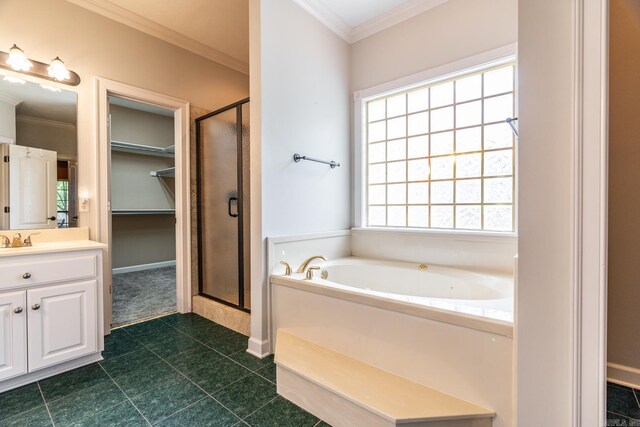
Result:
pixel 477 63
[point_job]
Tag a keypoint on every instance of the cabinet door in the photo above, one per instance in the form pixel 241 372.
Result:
pixel 62 323
pixel 13 334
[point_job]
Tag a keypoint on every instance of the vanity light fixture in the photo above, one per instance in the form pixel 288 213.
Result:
pixel 18 60
pixel 56 70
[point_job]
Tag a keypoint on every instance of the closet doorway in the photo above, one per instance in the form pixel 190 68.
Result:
pixel 143 203
pixel 222 170
pixel 143 234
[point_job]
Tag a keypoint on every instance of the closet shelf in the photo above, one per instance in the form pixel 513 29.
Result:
pixel 168 172
pixel 150 150
pixel 143 211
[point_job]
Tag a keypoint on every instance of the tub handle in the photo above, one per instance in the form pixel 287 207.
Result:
pixel 310 271
pixel 287 268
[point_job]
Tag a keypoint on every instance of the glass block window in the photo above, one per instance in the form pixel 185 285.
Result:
pixel 442 156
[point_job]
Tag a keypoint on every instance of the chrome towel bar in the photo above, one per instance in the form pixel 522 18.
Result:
pixel 297 157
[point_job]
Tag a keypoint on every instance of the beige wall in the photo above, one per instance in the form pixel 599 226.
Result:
pixel 454 30
pixel 94 46
pixel 624 175
pixel 143 239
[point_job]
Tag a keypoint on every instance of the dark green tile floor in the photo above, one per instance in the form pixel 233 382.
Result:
pixel 178 370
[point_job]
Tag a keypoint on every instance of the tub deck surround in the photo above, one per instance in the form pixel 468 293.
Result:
pixel 347 392
pixel 459 297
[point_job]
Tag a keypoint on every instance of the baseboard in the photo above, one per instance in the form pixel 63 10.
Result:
pixel 259 348
pixel 143 267
pixel 623 375
pixel 19 381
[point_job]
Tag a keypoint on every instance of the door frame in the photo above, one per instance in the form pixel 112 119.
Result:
pixel 105 88
pixel 590 206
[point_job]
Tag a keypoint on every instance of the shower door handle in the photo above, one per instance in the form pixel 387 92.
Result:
pixel 231 199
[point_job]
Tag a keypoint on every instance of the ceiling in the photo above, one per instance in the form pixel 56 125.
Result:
pixel 357 12
pixel 219 29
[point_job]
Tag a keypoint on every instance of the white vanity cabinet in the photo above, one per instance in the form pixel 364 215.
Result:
pixel 13 334
pixel 50 310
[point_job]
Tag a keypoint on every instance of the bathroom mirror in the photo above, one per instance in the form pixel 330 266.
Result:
pixel 38 155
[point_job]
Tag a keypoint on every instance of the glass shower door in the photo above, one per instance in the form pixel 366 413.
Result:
pixel 220 211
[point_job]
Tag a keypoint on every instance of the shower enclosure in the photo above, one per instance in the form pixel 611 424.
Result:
pixel 222 169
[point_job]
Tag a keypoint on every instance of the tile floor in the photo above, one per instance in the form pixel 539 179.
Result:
pixel 623 406
pixel 143 294
pixel 178 370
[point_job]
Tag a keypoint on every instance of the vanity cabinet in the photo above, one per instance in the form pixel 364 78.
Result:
pixel 13 334
pixel 50 313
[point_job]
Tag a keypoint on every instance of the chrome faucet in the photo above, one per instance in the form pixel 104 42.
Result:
pixel 308 261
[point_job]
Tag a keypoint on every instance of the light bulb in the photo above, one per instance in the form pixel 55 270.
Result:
pixel 58 70
pixel 18 60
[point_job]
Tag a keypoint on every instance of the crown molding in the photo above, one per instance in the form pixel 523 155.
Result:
pixel 140 23
pixel 353 34
pixel 9 99
pixel 44 122
pixel 329 18
pixel 395 16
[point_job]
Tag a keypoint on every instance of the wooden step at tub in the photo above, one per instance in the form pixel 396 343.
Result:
pixel 346 392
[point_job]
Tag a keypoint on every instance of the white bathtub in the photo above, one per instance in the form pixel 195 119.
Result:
pixel 461 297
pixel 449 329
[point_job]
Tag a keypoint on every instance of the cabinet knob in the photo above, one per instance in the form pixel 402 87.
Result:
pixel 18 310
pixel 26 276
pixel 36 306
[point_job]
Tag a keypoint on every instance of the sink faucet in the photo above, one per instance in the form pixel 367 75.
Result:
pixel 17 241
pixel 308 261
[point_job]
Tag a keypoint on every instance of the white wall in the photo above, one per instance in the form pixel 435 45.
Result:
pixel 93 45
pixel 543 312
pixel 452 31
pixel 305 109
pixel 300 105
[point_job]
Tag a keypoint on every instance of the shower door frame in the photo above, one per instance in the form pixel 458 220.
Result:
pixel 240 194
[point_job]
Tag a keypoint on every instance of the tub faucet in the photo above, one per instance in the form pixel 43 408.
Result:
pixel 308 261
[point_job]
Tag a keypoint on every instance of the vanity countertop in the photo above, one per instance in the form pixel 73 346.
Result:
pixel 52 247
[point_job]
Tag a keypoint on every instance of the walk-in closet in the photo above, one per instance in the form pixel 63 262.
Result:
pixel 142 193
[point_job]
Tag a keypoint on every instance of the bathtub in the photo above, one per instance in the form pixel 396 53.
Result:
pixel 467 298
pixel 447 328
